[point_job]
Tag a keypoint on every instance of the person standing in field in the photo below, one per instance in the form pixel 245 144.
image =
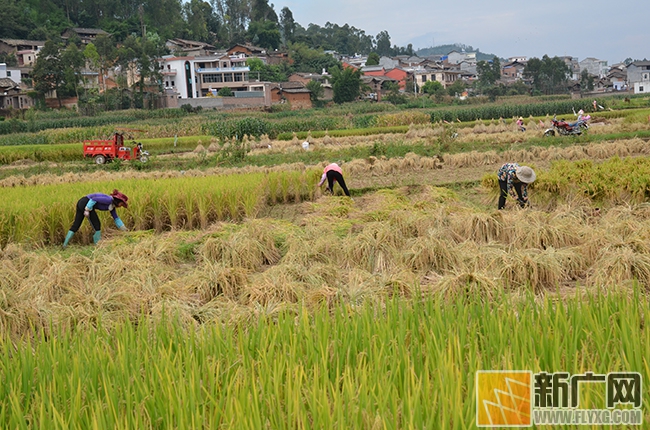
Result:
pixel 333 173
pixel 513 181
pixel 88 206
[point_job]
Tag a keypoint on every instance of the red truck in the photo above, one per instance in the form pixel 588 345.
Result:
pixel 103 151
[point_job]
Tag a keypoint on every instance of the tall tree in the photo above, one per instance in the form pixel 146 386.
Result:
pixel 346 84
pixel 262 11
pixel 383 44
pixel 548 75
pixel 235 16
pixel 73 63
pixel 198 14
pixel 488 72
pixel 48 73
pixel 586 81
pixel 317 90
pixel 265 34
pixel 287 26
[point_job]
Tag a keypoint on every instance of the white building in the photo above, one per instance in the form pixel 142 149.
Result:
pixel 13 74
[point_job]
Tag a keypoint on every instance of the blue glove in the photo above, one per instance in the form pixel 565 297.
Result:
pixel 90 205
pixel 120 224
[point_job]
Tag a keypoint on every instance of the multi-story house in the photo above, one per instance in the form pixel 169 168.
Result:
pixel 638 76
pixel 444 76
pixel 594 67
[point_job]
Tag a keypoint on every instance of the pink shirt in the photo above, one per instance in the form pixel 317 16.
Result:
pixel 327 168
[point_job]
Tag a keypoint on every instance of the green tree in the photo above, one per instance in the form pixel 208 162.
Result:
pixel 268 72
pixel 373 59
pixel 586 81
pixel 107 57
pixel 346 84
pixel 265 34
pixel 48 73
pixel 431 87
pixel 548 75
pixel 383 44
pixel 317 90
pixel 200 22
pixel 225 92
pixel 234 16
pixel 262 11
pixel 9 59
pixel 456 88
pixel 488 72
pixel 287 26
pixel 308 60
pixel 16 24
pixel 73 62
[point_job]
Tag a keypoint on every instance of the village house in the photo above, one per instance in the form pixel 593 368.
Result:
pixel 638 76
pixel 618 78
pixel 188 78
pixel 377 86
pixel 594 67
pixel 513 71
pixel 87 35
pixel 189 48
pixel 247 51
pixel 573 65
pixel 11 94
pixel 445 76
pixel 294 93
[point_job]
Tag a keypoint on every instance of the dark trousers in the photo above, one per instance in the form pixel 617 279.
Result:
pixel 503 185
pixel 333 175
pixel 79 216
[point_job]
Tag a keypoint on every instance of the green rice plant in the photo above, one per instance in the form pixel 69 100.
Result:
pixel 203 204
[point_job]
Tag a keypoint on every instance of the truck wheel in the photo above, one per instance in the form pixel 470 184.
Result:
pixel 100 159
pixel 144 158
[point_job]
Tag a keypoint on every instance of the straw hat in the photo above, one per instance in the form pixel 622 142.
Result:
pixel 525 174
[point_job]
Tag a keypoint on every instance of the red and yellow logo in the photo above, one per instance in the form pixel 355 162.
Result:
pixel 504 398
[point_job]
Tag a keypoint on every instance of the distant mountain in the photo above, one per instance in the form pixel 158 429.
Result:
pixel 446 49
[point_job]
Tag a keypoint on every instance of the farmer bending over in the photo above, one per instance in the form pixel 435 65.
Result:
pixel 89 205
pixel 333 173
pixel 514 180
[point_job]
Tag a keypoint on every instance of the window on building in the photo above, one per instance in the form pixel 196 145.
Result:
pixel 424 78
pixel 212 77
pixel 227 77
pixel 173 83
pixel 239 77
pixel 8 72
pixel 640 88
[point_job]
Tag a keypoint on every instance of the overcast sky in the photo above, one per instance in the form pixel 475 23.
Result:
pixel 607 30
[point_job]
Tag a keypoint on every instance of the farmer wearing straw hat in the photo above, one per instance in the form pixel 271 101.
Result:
pixel 333 173
pixel 514 180
pixel 89 205
pixel 520 124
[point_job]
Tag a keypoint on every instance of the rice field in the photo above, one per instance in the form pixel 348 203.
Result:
pixel 245 298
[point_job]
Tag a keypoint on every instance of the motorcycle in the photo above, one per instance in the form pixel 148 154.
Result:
pixel 143 155
pixel 567 129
